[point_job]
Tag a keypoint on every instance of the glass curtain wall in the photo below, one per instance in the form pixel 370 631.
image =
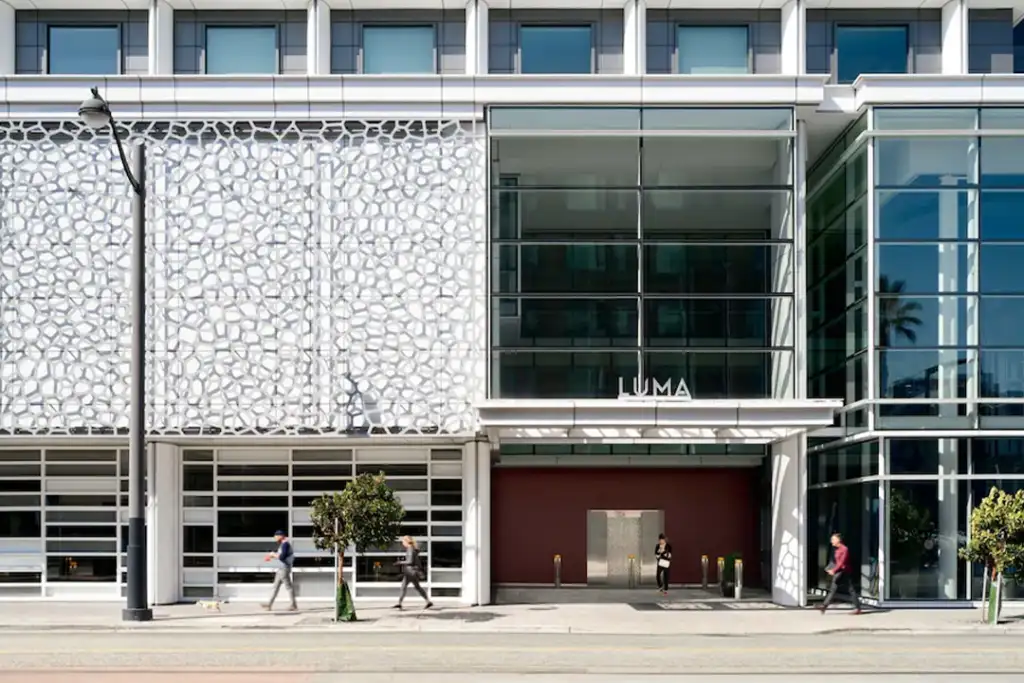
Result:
pixel 837 253
pixel 946 192
pixel 631 243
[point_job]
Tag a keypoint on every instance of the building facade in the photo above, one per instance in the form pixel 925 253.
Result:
pixel 569 274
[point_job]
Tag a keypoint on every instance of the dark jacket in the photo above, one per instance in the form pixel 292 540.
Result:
pixel 666 553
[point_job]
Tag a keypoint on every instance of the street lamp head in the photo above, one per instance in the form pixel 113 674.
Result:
pixel 95 112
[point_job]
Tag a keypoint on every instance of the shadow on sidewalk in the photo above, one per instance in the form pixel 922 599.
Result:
pixel 233 614
pixel 465 616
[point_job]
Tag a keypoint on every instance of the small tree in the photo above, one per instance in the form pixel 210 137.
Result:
pixel 365 515
pixel 997 540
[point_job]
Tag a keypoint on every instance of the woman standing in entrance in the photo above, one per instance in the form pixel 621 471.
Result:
pixel 663 554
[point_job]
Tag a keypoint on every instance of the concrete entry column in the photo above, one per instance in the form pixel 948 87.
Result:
pixel 789 529
pixel 476 524
pixel 164 523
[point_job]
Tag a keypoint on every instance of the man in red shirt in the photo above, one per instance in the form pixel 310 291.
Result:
pixel 841 571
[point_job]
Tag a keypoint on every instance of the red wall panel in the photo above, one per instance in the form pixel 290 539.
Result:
pixel 540 512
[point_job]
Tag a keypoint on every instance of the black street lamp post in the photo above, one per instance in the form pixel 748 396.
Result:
pixel 96 114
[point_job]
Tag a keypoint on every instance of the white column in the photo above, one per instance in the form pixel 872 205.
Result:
pixel 477 37
pixel 794 38
pixel 476 523
pixel 7 39
pixel 470 528
pixel 800 351
pixel 954 37
pixel 634 37
pixel 949 324
pixel 789 532
pixel 163 523
pixel 318 38
pixel 161 38
pixel 783 260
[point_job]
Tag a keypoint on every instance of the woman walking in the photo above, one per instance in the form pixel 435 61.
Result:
pixel 663 554
pixel 410 565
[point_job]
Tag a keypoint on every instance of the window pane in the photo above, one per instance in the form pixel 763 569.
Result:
pixel 241 50
pixel 915 268
pixel 925 162
pixel 555 50
pixel 709 322
pixel 711 268
pixel 712 49
pixel 577 268
pixel 1000 269
pixel 1002 162
pixel 921 321
pixel 923 215
pixel 549 323
pixel 562 375
pixel 745 374
pixel 398 50
pixel 870 50
pixel 1000 215
pixel 567 214
pixel 84 50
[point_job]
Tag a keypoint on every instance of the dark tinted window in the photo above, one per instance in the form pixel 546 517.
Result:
pixel 870 50
pixel 555 50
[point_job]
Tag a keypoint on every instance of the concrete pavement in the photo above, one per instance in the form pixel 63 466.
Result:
pixel 115 677
pixel 297 655
pixel 671 618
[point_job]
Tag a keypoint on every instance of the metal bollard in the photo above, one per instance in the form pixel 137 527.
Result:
pixel 704 572
pixel 558 571
pixel 632 570
pixel 721 572
pixel 739 579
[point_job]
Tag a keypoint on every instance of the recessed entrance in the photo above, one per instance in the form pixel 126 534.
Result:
pixel 616 544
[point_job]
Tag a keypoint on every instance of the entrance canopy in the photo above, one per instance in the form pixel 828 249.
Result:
pixel 653 420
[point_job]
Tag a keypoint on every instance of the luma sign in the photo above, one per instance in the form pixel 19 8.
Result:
pixel 651 388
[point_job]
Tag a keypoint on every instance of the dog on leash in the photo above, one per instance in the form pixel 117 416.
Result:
pixel 211 605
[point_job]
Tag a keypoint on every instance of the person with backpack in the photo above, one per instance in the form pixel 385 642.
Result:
pixel 412 571
pixel 285 556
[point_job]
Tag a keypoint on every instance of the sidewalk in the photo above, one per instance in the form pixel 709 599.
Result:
pixel 721 619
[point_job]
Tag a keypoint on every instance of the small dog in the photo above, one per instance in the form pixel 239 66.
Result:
pixel 211 605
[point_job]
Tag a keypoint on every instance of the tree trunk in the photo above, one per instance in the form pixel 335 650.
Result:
pixel 344 608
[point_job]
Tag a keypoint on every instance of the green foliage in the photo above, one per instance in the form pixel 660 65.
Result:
pixel 365 515
pixel 997 532
pixel 911 528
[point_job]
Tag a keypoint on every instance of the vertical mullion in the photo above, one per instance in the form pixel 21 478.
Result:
pixel 640 257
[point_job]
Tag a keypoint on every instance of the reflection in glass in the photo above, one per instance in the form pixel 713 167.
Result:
pixel 20 524
pixel 1000 215
pixel 923 215
pixel 922 321
pixel 709 322
pixel 918 267
pixel 716 162
pixel 734 374
pixel 1001 164
pixel 716 216
pixel 924 373
pixel 926 118
pixel 555 50
pixel 710 268
pixel 588 214
pixel 713 50
pixel 562 374
pixel 571 322
pixel 251 523
pixel 922 562
pixel 870 50
pixel 577 268
pixel 925 456
pixel 709 118
pixel 998 456
pixel 1000 318
pixel 1002 374
pixel 1000 271
pixel 925 162
pixel 564 118
pixel 569 162
pixel 241 50
pixel 851 510
pixel 398 50
pixel 93 50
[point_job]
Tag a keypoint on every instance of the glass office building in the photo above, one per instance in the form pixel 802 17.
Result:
pixel 569 274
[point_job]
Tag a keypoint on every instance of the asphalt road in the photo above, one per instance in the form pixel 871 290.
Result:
pixel 209 656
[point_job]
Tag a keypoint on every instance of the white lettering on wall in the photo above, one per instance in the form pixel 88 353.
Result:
pixel 646 388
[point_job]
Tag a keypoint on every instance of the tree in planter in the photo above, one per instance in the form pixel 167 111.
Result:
pixel 997 542
pixel 365 515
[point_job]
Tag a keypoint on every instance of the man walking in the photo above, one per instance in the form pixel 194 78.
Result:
pixel 286 559
pixel 840 569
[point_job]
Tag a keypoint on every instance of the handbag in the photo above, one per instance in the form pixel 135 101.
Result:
pixel 664 563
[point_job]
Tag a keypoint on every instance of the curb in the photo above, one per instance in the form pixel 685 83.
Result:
pixel 78 629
